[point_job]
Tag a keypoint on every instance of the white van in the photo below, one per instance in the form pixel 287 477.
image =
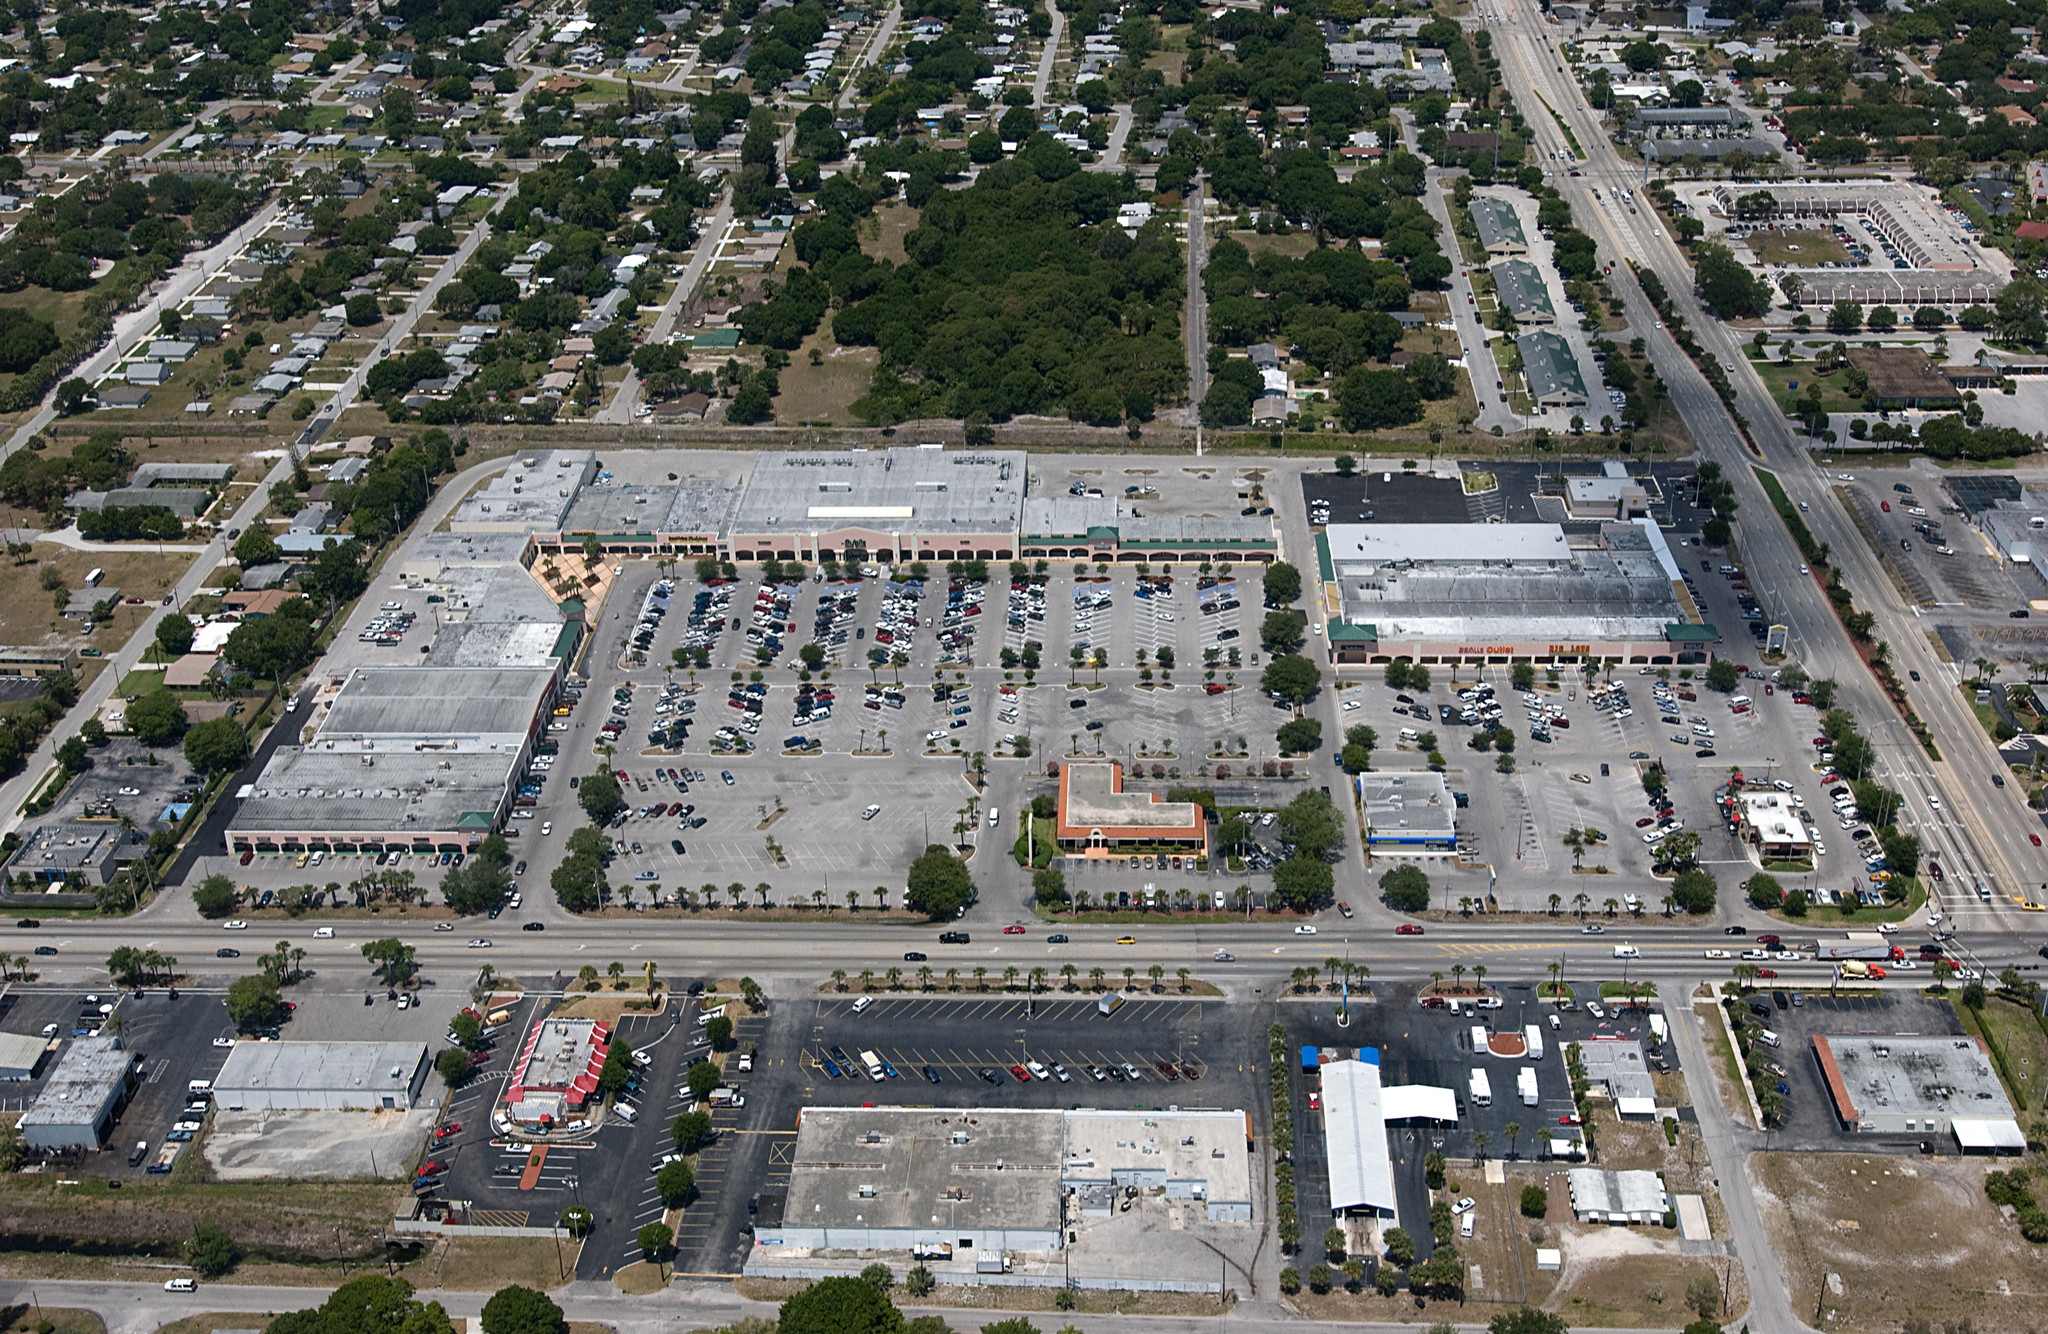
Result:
pixel 1768 1038
pixel 1409 734
pixel 863 1003
pixel 994 818
pixel 323 933
pixel 625 1113
pixel 181 1285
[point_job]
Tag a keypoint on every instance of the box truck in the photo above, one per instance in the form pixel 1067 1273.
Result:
pixel 1533 1035
pixel 1525 1081
pixel 1482 1091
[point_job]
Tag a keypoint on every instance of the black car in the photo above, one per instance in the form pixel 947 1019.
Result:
pixel 1735 931
pixel 931 1074
pixel 1703 754
pixel 1759 1009
pixel 677 845
pixel 28 923
pixel 913 956
pixel 227 954
pixel 991 1074
pixel 519 868
pixel 953 938
pixel 46 949
pixel 1077 703
pixel 533 926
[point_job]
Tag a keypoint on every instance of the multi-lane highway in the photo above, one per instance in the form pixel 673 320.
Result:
pixel 1974 828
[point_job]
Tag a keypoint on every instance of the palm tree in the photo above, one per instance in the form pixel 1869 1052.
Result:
pixel 1479 975
pixel 839 979
pixel 764 889
pixel 952 979
pixel 1299 978
pixel 1155 972
pixel 980 978
pixel 1082 898
pixel 738 891
pixel 924 977
pixel 1579 902
pixel 1514 1129
pixel 1610 905
pixel 1458 976
pixel 1095 976
pixel 818 898
pixel 881 898
pixel 1670 904
pixel 1556 967
pixel 1130 976
pixel 1010 977
pixel 895 976
pixel 1576 841
pixel 867 980
pixel 1035 981
pixel 1067 974
pixel 615 970
pixel 1182 974
pixel 853 900
pixel 1480 1139
pixel 1555 902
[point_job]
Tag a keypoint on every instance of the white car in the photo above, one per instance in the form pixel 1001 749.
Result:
pixel 1223 956
pixel 871 812
pixel 236 925
pixel 936 734
pixel 223 1042
pixel 1304 930
pixel 546 827
pixel 1887 928
pixel 1934 803
pixel 1350 704
pixel 1720 954
pixel 480 944
pixel 1592 929
pixel 1464 1206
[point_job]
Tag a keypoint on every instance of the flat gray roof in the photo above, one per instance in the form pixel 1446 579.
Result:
pixel 902 489
pixel 607 508
pixel 435 703
pixel 338 1067
pixel 532 495
pixel 1074 517
pixel 451 549
pixel 376 793
pixel 1916 1076
pixel 1090 800
pixel 907 1168
pixel 1618 1063
pixel 86 1076
pixel 1613 585
pixel 703 505
pixel 21 1051
pixel 1412 804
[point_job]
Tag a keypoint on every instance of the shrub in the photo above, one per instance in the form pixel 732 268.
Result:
pixel 1535 1201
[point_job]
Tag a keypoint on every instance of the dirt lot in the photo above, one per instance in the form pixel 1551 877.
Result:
pixel 28 615
pixel 1906 1236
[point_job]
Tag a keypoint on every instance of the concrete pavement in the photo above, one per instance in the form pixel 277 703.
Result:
pixel 1048 55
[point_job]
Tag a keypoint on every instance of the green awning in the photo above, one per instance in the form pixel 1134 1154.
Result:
pixel 1324 568
pixel 1103 532
pixel 1341 632
pixel 1680 633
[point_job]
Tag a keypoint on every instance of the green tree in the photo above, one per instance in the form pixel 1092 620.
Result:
pixel 1527 1320
pixel 1727 285
pixel 675 1182
pixel 217 746
pixel 691 1130
pixel 158 718
pixel 452 1064
pixel 1282 584
pixel 254 1001
pixel 1535 1201
pixel 1406 889
pixel 521 1310
pixel 257 547
pixel 1311 823
pixel 1282 631
pixel 600 795
pixel 938 884
pixel 703 1076
pixel 211 1251
pixel 174 634
pixel 214 897
pixel 656 1240
pixel 1763 890
pixel 1722 676
pixel 839 1306
pixel 1292 677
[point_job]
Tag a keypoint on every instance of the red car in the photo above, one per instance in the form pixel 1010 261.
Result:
pixel 1407 929
pixel 1645 820
pixel 1876 973
pixel 1887 505
pixel 1766 972
pixel 1934 869
pixel 430 1168
pixel 1013 930
pixel 248 857
pixel 1023 1075
pixel 452 1128
pixel 1767 939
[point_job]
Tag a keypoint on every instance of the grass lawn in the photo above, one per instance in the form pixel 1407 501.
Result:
pixel 1916 898
pixel 1777 378
pixel 884 237
pixel 1797 247
pixel 28 615
pixel 823 392
pixel 2012 1029
pixel 1293 245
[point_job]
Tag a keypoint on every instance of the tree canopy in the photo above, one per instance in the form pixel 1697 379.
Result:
pixel 938 884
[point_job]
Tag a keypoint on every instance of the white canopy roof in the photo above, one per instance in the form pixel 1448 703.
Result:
pixel 1974 1133
pixel 1419 1102
pixel 1355 1129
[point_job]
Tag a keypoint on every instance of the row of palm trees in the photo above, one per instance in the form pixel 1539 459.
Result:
pixel 1582 901
pixel 1339 970
pixel 1035 980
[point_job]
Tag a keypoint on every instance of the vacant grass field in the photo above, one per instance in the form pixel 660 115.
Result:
pixel 1909 1237
pixel 2025 1048
pixel 1778 378
pixel 1797 247
pixel 823 392
pixel 28 616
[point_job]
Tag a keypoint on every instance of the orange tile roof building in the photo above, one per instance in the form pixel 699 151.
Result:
pixel 1095 812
